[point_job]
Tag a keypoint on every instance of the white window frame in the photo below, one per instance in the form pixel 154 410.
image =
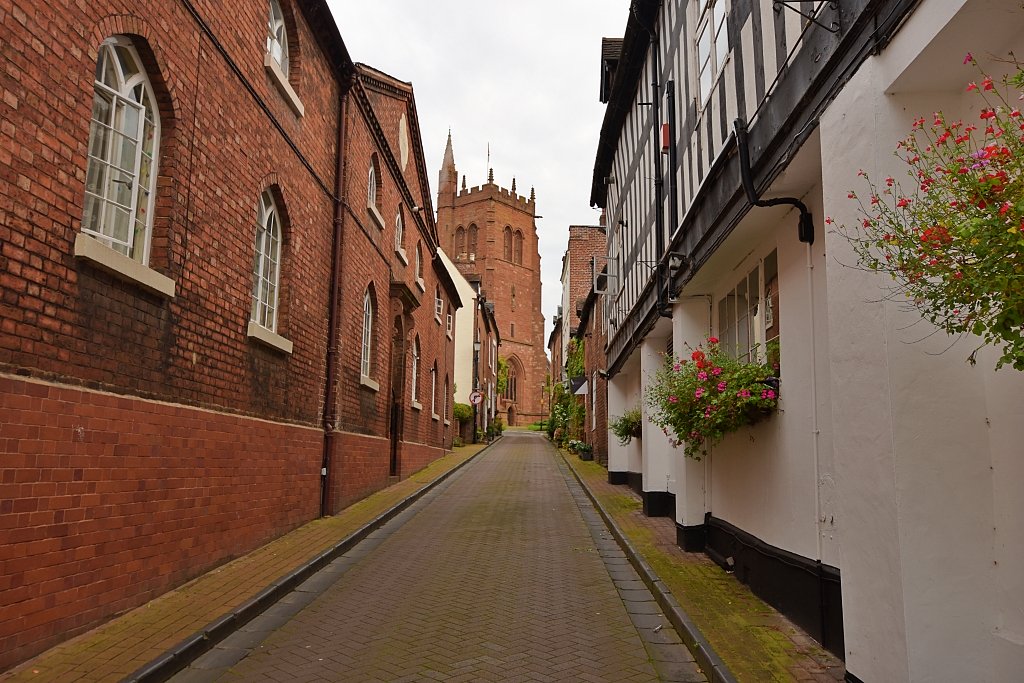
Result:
pixel 449 325
pixel 438 304
pixel 277 36
pixel 433 392
pixel 400 236
pixel 416 373
pixel 366 355
pixel 266 271
pixel 714 53
pixel 419 267
pixel 741 332
pixel 130 97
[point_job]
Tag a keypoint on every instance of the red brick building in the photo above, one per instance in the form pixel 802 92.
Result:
pixel 491 234
pixel 592 332
pixel 395 382
pixel 175 302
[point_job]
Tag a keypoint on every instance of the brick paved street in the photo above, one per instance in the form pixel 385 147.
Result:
pixel 503 573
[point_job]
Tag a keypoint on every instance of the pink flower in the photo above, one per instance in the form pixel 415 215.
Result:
pixel 768 394
pixel 721 386
pixel 716 372
pixel 702 376
pixel 743 393
pixel 698 393
pixel 968 58
pixel 673 399
pixel 677 367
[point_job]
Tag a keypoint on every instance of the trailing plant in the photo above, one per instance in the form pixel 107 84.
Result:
pixel 575 361
pixel 708 395
pixel 628 426
pixel 502 381
pixel 951 236
pixel 579 447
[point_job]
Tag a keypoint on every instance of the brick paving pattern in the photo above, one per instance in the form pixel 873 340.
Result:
pixel 754 640
pixel 504 573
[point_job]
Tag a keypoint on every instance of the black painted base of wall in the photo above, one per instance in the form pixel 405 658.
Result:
pixel 636 482
pixel 659 503
pixel 850 678
pixel 806 591
pixel 692 539
pixel 618 478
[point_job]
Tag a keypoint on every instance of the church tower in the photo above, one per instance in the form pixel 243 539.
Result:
pixel 491 234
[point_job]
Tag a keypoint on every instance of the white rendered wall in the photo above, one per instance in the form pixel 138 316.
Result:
pixel 658 455
pixel 618 455
pixel 762 478
pixel 928 448
pixel 691 324
pixel 464 321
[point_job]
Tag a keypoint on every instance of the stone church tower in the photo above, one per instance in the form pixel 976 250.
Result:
pixel 491 235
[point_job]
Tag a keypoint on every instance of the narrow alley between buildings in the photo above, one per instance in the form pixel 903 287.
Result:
pixel 503 572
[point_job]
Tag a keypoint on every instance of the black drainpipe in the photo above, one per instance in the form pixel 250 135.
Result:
pixel 805 229
pixel 330 413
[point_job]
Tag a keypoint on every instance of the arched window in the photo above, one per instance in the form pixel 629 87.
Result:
pixel 445 401
pixel 460 243
pixel 371 183
pixel 472 241
pixel 416 369
pixel 124 136
pixel 450 324
pixel 433 390
pixel 277 36
pixel 507 253
pixel 511 380
pixel 399 229
pixel 266 270
pixel 517 247
pixel 369 313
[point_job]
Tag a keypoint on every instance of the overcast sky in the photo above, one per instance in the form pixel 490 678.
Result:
pixel 521 76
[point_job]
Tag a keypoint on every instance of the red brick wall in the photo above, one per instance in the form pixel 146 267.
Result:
pixel 107 501
pixel 595 360
pixel 360 466
pixel 110 498
pixel 585 242
pixel 63 318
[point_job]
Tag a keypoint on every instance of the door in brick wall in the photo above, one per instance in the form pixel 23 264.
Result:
pixel 397 391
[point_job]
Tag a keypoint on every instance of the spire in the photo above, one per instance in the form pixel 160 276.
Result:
pixel 490 176
pixel 533 195
pixel 447 176
pixel 513 184
pixel 463 181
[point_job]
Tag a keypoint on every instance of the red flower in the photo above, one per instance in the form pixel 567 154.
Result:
pixel 972 86
pixel 987 114
pixel 968 58
pixel 987 83
pixel 712 340
pixel 903 202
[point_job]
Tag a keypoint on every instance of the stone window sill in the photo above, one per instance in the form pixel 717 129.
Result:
pixel 268 338
pixel 401 256
pixel 420 284
pixel 280 80
pixel 90 249
pixel 375 216
pixel 416 405
pixel 368 383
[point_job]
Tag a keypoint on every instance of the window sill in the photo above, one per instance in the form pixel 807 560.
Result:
pixel 420 284
pixel 268 338
pixel 449 334
pixel 283 86
pixel 447 423
pixel 375 216
pixel 416 405
pixel 400 252
pixel 368 383
pixel 435 416
pixel 88 248
pixel 437 319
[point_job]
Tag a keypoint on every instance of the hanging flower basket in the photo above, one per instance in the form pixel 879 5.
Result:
pixel 708 395
pixel 951 235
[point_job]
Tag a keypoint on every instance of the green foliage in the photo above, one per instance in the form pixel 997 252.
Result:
pixel 495 428
pixel 579 447
pixel 463 412
pixel 628 425
pixel 502 381
pixel 568 414
pixel 457 442
pixel 710 394
pixel 575 361
pixel 952 236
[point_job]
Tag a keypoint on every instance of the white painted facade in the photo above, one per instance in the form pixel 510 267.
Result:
pixel 463 331
pixel 889 458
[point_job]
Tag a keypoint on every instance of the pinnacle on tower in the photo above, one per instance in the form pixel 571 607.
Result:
pixel 513 184
pixel 533 195
pixel 463 181
pixel 490 176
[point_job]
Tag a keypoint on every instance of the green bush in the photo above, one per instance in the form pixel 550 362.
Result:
pixel 462 412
